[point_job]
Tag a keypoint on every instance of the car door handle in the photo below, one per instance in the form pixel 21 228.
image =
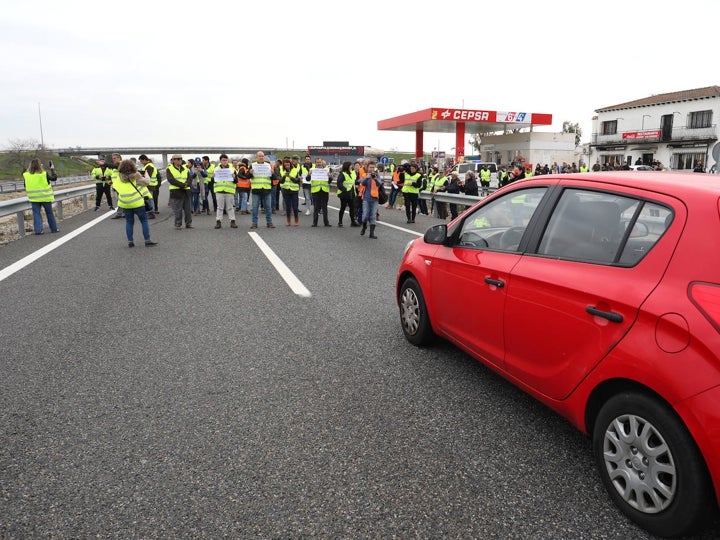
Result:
pixel 498 283
pixel 609 315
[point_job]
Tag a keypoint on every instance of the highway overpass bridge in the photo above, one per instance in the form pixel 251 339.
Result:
pixel 165 151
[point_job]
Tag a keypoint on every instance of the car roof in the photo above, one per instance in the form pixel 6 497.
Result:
pixel 678 184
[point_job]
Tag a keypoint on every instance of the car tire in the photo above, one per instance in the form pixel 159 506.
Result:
pixel 651 466
pixel 414 317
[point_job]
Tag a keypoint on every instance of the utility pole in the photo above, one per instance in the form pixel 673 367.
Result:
pixel 42 140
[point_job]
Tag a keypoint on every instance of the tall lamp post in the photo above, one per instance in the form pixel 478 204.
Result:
pixel 42 140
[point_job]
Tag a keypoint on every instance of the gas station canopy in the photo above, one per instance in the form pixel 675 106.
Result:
pixel 460 122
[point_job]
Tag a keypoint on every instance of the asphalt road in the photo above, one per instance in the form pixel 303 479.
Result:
pixel 185 391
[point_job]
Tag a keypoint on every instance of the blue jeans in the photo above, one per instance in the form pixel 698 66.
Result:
pixel 291 202
pixel 242 197
pixel 370 207
pixel 393 195
pixel 266 198
pixel 37 217
pixel 195 201
pixel 130 222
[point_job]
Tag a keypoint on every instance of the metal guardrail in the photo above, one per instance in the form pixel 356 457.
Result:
pixel 19 185
pixel 21 205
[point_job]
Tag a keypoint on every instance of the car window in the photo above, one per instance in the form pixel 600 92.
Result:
pixel 501 223
pixel 591 226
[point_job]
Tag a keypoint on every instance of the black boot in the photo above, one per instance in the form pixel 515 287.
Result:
pixel 372 231
pixel 364 228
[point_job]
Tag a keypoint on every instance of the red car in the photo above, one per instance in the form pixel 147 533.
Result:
pixel 599 294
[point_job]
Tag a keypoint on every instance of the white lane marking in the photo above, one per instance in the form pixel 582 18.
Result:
pixel 385 224
pixel 25 261
pixel 293 282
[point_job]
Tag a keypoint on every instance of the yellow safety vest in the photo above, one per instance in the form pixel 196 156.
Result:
pixel 319 185
pixel 260 182
pixel 227 185
pixel 410 179
pixel 128 196
pixel 179 175
pixel 287 183
pixel 37 187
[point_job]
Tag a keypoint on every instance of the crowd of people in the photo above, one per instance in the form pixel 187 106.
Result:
pixel 256 188
pixel 237 187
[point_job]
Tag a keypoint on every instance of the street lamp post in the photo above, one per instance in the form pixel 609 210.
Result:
pixel 42 140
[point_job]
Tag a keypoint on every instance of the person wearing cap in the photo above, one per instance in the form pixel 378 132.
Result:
pixel 178 176
pixel 148 168
pixel 102 177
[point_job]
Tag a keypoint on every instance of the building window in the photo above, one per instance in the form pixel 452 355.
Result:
pixel 700 119
pixel 609 128
pixel 684 162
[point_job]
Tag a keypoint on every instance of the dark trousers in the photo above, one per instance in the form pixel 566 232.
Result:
pixel 320 204
pixel 101 190
pixel 411 202
pixel 210 190
pixel 350 205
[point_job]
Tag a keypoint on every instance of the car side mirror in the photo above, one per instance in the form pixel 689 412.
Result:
pixel 437 234
pixel 639 230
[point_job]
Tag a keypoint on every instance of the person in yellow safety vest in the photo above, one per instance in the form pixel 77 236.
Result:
pixel 116 159
pixel 102 176
pixel 347 192
pixel 39 192
pixel 131 198
pixel 528 171
pixel 440 186
pixel 305 174
pixel 178 177
pixel 289 182
pixel 148 168
pixel 224 179
pixel 583 168
pixel 412 180
pixel 320 190
pixel 207 174
pixel 485 180
pixel 261 174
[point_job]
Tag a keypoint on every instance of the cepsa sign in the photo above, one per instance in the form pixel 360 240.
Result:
pixel 463 115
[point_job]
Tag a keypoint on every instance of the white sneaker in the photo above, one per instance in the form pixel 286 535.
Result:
pixel 307 213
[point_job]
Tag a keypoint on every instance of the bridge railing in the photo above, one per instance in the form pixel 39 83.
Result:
pixel 21 205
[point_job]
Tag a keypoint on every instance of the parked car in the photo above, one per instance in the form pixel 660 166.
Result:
pixel 476 167
pixel 600 296
pixel 641 168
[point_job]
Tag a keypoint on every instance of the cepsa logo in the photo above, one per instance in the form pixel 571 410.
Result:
pixel 503 116
pixel 464 114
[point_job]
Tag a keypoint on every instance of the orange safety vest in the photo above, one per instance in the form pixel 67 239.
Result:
pixel 374 191
pixel 243 182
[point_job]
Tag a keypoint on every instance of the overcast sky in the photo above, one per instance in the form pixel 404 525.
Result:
pixel 296 74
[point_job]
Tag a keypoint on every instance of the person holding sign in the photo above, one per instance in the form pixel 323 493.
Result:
pixel 320 190
pixel 224 181
pixel 261 187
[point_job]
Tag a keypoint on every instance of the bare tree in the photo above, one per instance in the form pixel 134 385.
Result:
pixel 21 151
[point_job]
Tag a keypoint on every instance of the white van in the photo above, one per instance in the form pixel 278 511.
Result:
pixel 476 167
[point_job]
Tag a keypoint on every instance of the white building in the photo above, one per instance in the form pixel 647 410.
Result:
pixel 532 146
pixel 678 129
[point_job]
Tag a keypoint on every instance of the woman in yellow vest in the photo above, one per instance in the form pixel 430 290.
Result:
pixel 40 194
pixel 131 198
